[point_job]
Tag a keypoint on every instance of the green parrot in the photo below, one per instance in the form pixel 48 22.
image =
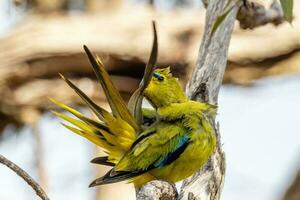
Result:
pixel 170 142
pixel 177 144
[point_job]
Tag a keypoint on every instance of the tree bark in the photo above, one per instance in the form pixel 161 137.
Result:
pixel 256 14
pixel 155 190
pixel 204 86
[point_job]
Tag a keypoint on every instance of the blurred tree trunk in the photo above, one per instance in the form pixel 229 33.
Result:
pixel 182 2
pixel 151 2
pixel 50 6
pixel 103 5
pixel 45 6
pixel 293 192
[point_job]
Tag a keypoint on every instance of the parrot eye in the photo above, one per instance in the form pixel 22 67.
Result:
pixel 158 76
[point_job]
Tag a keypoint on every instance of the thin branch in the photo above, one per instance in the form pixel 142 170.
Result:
pixel 20 172
pixel 213 53
pixel 39 152
pixel 31 116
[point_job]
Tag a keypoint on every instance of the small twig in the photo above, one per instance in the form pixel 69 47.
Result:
pixel 20 172
pixel 31 116
pixel 39 152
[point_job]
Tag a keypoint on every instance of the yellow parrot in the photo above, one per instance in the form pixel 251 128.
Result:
pixel 170 142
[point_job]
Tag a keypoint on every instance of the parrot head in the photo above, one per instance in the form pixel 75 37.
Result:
pixel 164 89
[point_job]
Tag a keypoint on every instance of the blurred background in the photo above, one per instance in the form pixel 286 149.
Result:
pixel 259 101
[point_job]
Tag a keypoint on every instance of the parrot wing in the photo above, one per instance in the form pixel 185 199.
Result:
pixel 136 100
pixel 114 134
pixel 104 160
pixel 117 104
pixel 153 149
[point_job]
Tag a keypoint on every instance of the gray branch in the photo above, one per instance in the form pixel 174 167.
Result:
pixel 212 59
pixel 155 190
pixel 255 15
pixel 20 172
pixel 204 86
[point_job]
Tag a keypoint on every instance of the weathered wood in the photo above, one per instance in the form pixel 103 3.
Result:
pixel 213 54
pixel 256 14
pixel 157 190
pixel 204 86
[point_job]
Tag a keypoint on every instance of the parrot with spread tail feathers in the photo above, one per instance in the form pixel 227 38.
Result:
pixel 169 142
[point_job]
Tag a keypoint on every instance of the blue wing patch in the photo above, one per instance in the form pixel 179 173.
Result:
pixel 181 146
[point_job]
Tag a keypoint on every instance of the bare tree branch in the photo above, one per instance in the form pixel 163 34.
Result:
pixel 20 172
pixel 255 14
pixel 204 86
pixel 212 58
